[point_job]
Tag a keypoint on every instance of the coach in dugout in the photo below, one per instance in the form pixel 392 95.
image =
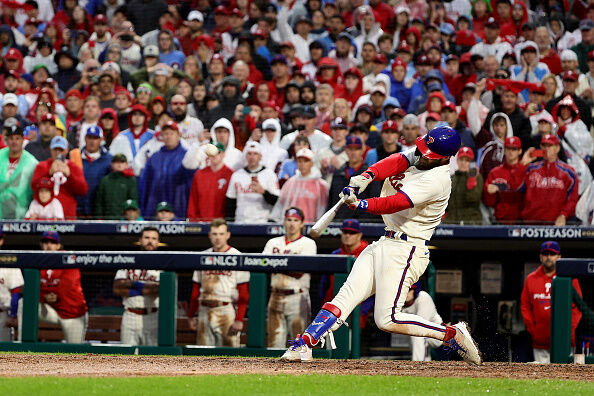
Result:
pixel 139 290
pixel 536 302
pixel 61 299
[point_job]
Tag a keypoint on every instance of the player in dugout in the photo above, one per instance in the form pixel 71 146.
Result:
pixel 289 305
pixel 139 289
pixel 11 285
pixel 412 202
pixel 215 294
pixel 61 299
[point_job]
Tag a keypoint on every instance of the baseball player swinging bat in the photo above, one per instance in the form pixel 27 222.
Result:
pixel 326 218
pixel 414 197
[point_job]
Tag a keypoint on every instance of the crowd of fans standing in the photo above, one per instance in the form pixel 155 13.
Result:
pixel 107 105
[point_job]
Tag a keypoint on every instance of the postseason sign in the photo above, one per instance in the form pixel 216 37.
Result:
pixel 443 232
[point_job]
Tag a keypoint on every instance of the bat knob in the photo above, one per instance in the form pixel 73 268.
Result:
pixel 314 234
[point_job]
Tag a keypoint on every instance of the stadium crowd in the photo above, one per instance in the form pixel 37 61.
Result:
pixel 107 105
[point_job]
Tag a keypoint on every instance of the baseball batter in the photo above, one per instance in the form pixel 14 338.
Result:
pixel 289 306
pixel 139 290
pixel 215 292
pixel 412 202
pixel 61 297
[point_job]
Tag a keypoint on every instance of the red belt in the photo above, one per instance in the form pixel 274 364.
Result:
pixel 213 304
pixel 286 292
pixel 142 311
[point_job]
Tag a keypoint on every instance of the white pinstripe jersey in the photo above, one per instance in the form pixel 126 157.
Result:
pixel 220 285
pixel 279 245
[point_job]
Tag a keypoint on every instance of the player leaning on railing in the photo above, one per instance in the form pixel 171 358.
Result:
pixel 412 202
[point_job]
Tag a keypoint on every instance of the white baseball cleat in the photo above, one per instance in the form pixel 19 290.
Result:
pixel 464 344
pixel 298 351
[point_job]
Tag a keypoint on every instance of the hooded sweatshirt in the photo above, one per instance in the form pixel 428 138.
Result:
pixel 352 97
pixel 51 210
pixel 272 153
pixel 576 142
pixel 518 73
pixel 233 157
pixel 492 146
pixel 398 89
pixel 364 36
pixel 336 82
pixel 109 136
pixel 127 142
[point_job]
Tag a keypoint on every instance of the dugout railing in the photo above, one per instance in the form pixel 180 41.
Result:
pixel 563 295
pixel 347 338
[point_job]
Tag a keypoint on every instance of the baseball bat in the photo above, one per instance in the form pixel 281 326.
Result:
pixel 326 218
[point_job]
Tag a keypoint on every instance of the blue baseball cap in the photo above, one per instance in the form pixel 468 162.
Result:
pixel 58 142
pixel 279 59
pixel 351 225
pixel 95 131
pixel 550 246
pixel 51 235
pixel 29 129
pixel 28 77
pixel 446 28
pixel 354 141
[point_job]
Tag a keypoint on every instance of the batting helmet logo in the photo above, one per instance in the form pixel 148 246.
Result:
pixel 441 142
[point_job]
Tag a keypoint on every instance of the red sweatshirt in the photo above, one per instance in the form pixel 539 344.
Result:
pixel 508 201
pixel 551 190
pixel 536 308
pixel 75 185
pixel 207 195
pixel 65 283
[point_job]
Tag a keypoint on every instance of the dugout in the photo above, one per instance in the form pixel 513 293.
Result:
pixel 480 270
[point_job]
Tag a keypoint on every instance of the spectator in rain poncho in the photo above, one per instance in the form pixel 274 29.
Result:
pixel 306 190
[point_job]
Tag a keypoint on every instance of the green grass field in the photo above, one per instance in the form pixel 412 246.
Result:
pixel 253 384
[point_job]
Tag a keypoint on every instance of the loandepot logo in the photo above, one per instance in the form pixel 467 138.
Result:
pixel 265 262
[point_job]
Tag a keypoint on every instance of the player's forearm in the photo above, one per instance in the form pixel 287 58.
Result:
pixel 193 308
pixel 387 205
pixel 392 165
